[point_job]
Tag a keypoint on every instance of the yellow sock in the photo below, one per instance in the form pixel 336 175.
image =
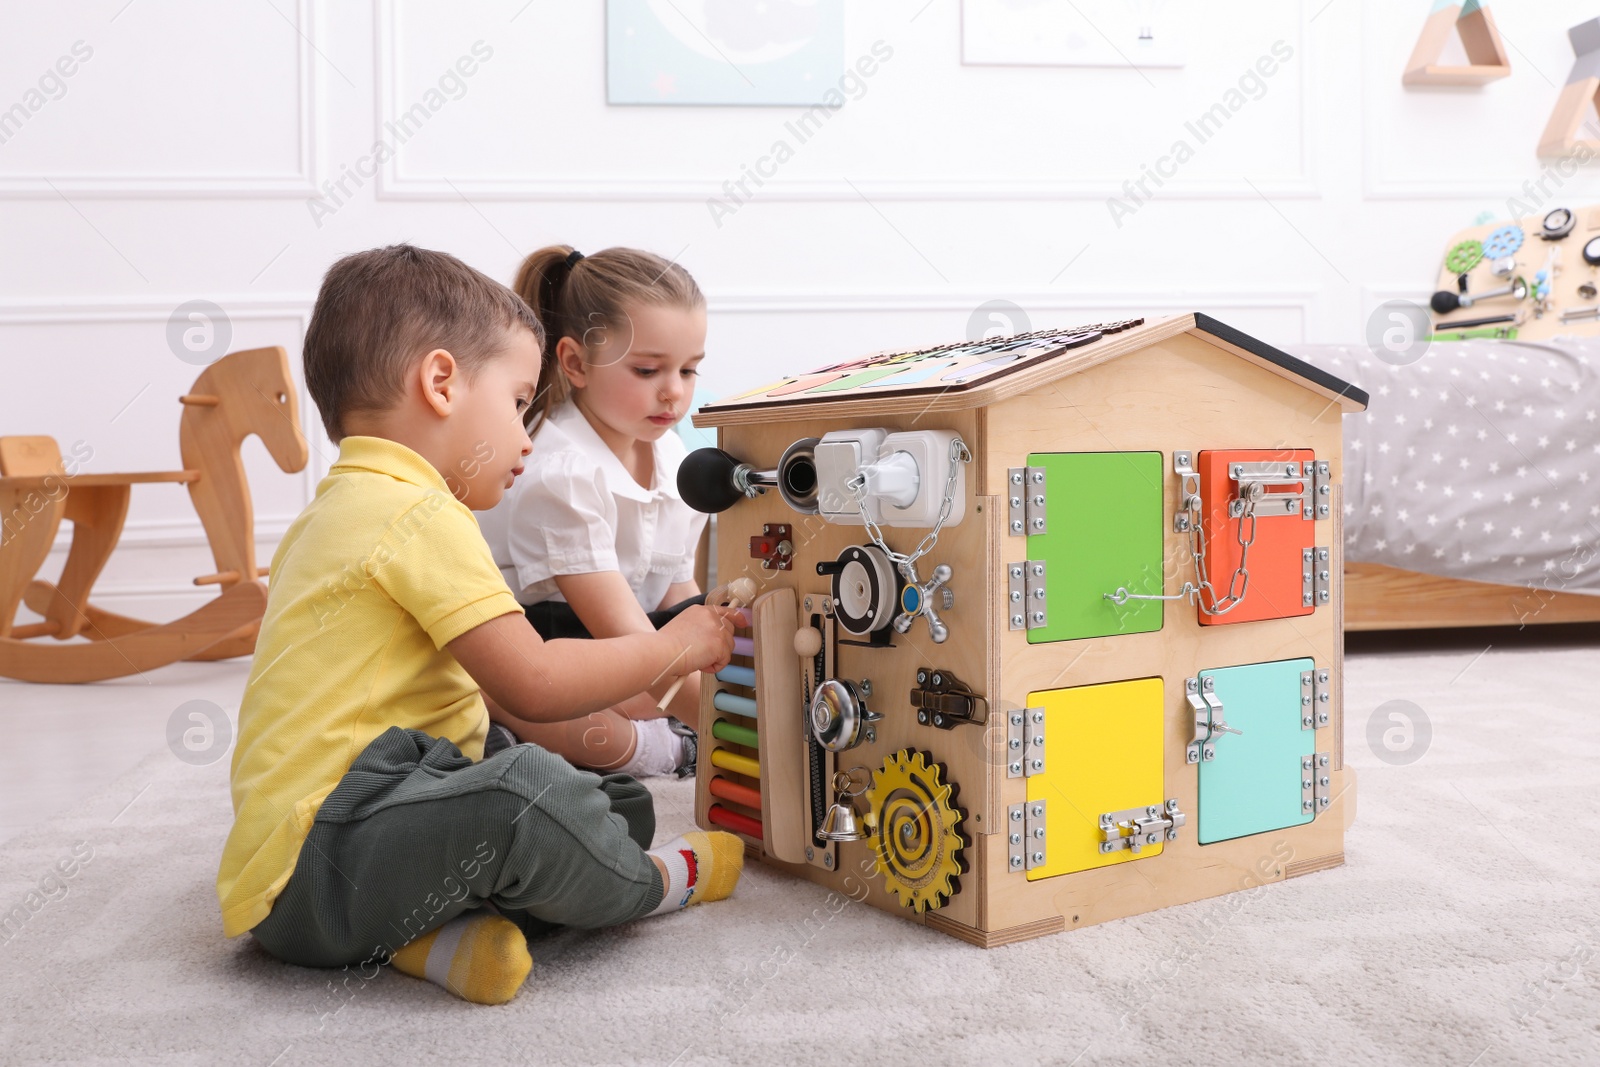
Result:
pixel 480 956
pixel 701 866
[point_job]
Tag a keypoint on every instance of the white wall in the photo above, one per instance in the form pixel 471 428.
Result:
pixel 178 163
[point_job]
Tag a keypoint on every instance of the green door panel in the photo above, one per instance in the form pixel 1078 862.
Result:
pixel 1103 531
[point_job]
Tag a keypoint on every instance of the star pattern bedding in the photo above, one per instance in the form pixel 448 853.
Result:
pixel 1480 460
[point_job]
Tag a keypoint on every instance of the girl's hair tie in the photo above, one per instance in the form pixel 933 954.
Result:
pixel 556 277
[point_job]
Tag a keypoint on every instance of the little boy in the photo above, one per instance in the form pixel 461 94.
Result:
pixel 367 826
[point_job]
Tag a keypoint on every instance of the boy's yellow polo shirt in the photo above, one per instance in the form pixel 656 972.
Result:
pixel 375 577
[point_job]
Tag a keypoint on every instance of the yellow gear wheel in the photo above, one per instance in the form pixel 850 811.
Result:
pixel 918 844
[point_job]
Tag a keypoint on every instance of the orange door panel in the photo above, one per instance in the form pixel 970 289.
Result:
pixel 1275 563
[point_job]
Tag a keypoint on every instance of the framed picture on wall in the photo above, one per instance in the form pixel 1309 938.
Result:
pixel 773 53
pixel 1074 33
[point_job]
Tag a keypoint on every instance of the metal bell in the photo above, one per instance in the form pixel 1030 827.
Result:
pixel 841 823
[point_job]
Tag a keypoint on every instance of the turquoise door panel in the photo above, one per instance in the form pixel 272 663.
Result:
pixel 1253 784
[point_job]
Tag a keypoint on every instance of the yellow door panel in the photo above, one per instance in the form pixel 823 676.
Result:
pixel 1102 754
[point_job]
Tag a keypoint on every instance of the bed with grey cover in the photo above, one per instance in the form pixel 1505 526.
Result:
pixel 1477 461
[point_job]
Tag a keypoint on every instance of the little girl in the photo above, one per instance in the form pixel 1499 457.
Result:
pixel 593 537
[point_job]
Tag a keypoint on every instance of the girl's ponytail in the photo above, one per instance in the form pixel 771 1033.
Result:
pixel 573 293
pixel 540 282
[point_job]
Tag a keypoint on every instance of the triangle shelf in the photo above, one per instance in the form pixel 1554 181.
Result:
pixel 1571 112
pixel 1486 52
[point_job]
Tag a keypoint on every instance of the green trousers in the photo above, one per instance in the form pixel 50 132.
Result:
pixel 415 834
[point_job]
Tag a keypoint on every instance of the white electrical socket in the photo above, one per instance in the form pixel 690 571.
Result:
pixel 839 456
pixel 910 466
pixel 930 449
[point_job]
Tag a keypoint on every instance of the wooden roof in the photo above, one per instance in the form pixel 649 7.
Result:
pixel 967 374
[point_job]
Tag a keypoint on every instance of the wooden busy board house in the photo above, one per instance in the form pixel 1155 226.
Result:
pixel 1082 699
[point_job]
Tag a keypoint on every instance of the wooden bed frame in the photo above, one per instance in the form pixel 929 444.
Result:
pixel 1387 598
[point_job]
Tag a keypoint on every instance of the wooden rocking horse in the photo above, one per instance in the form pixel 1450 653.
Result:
pixel 241 394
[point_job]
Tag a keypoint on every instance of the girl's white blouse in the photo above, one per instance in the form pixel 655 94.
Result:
pixel 575 509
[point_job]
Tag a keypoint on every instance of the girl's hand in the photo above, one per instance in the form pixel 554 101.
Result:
pixel 706 637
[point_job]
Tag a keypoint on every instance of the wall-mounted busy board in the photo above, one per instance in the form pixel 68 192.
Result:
pixel 1051 645
pixel 1530 278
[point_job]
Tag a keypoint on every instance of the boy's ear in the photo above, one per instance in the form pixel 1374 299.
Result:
pixel 437 375
pixel 569 357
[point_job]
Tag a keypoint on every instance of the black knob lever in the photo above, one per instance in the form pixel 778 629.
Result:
pixel 710 480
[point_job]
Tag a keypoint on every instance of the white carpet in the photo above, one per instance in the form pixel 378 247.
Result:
pixel 1462 931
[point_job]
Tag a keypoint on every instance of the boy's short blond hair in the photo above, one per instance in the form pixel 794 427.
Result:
pixel 380 311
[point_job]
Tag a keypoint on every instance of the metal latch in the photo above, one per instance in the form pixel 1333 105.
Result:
pixel 1316 783
pixel 1208 722
pixel 1137 827
pixel 1025 835
pixel 1316 698
pixel 1189 502
pixel 1316 577
pixel 1314 501
pixel 946 701
pixel 1254 479
pixel 1024 742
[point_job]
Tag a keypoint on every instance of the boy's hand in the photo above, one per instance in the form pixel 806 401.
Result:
pixel 706 637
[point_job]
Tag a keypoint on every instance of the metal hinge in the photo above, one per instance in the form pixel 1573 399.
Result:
pixel 1026 604
pixel 1189 492
pixel 1016 595
pixel 1208 720
pixel 1025 835
pixel 1321 489
pixel 1024 742
pixel 1135 828
pixel 1316 698
pixel 1025 493
pixel 1316 577
pixel 1316 783
pixel 1035 593
pixel 1032 493
pixel 1017 501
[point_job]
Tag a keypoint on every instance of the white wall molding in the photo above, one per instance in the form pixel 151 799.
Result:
pixel 153 309
pixel 140 534
pixel 1470 185
pixel 734 302
pixel 1075 307
pixel 302 182
pixel 393 184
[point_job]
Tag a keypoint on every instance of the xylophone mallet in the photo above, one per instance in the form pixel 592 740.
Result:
pixel 739 593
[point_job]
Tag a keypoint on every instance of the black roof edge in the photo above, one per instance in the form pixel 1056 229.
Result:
pixel 1223 332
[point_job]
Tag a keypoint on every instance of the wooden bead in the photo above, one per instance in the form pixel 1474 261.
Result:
pixel 807 642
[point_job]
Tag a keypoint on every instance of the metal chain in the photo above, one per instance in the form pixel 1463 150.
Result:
pixel 906 564
pixel 1241 573
pixel 1197 549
